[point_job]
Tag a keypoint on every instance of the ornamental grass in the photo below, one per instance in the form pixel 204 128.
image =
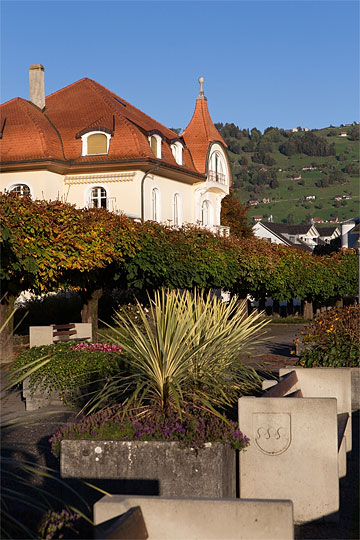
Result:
pixel 187 349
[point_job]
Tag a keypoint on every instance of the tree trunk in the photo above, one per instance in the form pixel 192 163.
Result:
pixel 290 307
pixel 308 311
pixel 339 303
pixel 276 309
pixel 89 312
pixel 7 328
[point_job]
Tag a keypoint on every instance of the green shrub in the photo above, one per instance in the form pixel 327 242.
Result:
pixel 72 366
pixel 333 339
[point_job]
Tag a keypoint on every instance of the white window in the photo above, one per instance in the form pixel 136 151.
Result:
pixel 98 197
pixel 95 143
pixel 155 145
pixel 155 204
pixel 177 150
pixel 21 190
pixel 217 168
pixel 205 214
pixel 177 221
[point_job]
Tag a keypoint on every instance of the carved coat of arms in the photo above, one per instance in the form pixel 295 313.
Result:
pixel 272 432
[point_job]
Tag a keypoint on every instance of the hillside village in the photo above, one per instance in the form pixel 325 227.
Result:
pixel 297 175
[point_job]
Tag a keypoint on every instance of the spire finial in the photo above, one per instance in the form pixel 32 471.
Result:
pixel 201 93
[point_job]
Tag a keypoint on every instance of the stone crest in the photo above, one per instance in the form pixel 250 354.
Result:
pixel 272 432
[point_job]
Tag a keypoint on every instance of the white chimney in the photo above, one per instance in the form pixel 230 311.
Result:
pixel 37 85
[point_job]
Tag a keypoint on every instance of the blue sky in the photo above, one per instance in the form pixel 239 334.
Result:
pixel 279 63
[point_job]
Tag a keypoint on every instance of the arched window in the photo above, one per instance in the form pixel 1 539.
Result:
pixel 177 149
pixel 155 204
pixel 217 169
pixel 21 190
pixel 205 214
pixel 177 210
pixel 155 145
pixel 98 198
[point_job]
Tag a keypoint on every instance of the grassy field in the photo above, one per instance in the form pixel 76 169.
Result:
pixel 289 197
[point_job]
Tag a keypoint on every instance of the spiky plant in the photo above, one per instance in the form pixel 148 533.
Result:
pixel 188 350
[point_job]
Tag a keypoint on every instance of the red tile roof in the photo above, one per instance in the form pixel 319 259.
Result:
pixel 200 133
pixel 53 134
pixel 27 133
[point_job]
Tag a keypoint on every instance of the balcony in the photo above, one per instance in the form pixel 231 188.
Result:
pixel 214 176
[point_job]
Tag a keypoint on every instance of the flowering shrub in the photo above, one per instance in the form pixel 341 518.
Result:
pixel 193 429
pixel 333 339
pixel 105 347
pixel 61 524
pixel 71 366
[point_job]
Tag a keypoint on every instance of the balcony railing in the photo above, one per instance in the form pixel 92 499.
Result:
pixel 215 176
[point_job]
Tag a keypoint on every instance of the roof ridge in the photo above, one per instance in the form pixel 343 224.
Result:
pixel 67 86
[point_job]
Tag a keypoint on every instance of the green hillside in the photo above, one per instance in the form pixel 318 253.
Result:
pixel 263 166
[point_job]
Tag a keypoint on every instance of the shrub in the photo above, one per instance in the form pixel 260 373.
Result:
pixel 193 428
pixel 333 339
pixel 71 366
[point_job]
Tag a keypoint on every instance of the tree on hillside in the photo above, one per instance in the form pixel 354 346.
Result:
pixel 234 215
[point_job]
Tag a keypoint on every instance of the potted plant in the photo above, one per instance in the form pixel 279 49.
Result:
pixel 184 369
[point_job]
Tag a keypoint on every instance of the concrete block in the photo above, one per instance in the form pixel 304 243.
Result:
pixel 38 399
pixel 40 335
pixel 268 383
pixel 151 467
pixel 293 453
pixel 204 519
pixel 83 331
pixel 326 383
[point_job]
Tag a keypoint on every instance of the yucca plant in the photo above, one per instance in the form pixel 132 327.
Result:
pixel 188 350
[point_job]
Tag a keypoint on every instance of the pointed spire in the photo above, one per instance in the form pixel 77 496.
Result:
pixel 201 132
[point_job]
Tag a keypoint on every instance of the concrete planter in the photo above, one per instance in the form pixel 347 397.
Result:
pixel 40 399
pixel 151 467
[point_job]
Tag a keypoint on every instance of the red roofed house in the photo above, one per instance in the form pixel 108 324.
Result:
pixel 85 145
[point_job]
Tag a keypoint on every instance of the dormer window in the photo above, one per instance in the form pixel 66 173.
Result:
pixel 155 145
pixel 217 168
pixel 95 143
pixel 177 150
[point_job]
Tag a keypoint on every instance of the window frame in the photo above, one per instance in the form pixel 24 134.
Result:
pixel 177 152
pixel 92 198
pixel 22 185
pixel 158 140
pixel 84 140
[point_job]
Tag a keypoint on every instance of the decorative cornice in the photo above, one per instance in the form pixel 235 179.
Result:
pixel 93 178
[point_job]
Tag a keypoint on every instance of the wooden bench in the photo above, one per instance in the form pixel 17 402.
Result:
pixel 47 335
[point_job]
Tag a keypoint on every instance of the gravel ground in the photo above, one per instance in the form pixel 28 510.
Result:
pixel 29 441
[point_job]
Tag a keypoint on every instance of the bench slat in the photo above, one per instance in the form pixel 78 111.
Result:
pixel 64 333
pixel 63 326
pixel 280 389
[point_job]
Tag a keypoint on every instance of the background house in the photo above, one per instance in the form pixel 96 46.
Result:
pixel 303 236
pixel 85 145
